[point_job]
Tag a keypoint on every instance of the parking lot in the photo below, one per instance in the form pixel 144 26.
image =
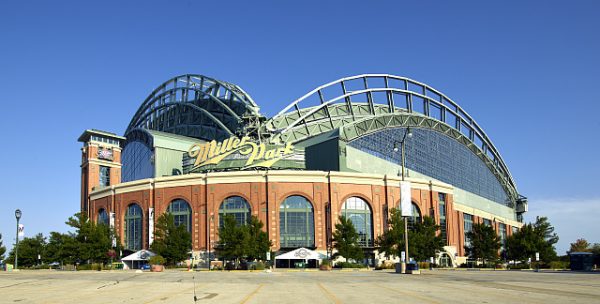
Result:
pixel 173 286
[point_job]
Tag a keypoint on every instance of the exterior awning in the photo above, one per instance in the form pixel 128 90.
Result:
pixel 301 254
pixel 142 255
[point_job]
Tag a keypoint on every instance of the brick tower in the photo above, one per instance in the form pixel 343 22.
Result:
pixel 100 162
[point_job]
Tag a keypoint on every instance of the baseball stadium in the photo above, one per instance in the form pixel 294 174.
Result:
pixel 199 148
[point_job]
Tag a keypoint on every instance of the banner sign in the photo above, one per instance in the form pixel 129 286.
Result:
pixel 111 224
pixel 212 153
pixel 105 153
pixel 21 230
pixel 405 199
pixel 150 226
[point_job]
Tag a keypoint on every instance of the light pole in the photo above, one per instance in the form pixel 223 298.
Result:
pixel 18 216
pixel 408 134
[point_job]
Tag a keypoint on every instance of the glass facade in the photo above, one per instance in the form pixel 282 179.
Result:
pixel 442 210
pixel 296 223
pixel 487 222
pixel 102 217
pixel 182 213
pixel 133 227
pixel 468 226
pixel 236 206
pixel 104 176
pixel 438 156
pixel 359 213
pixel 137 160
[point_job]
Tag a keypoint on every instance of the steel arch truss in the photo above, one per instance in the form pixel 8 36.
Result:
pixel 373 98
pixel 195 106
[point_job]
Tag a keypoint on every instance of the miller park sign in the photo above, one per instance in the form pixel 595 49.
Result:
pixel 258 154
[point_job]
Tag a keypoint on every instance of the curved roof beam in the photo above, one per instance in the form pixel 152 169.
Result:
pixel 170 92
pixel 207 85
pixel 463 122
pixel 195 107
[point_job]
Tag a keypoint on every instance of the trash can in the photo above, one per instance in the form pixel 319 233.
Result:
pixel 412 266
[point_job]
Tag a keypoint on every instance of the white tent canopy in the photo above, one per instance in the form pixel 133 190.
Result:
pixel 137 259
pixel 301 254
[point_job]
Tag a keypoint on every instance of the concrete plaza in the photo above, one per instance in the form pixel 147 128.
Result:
pixel 440 286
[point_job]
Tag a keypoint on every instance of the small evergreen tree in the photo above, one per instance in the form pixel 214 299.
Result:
pixel 92 241
pixel 62 248
pixel 391 242
pixel 484 243
pixel 233 240
pixel 531 238
pixel 345 239
pixel 258 240
pixel 423 242
pixel 29 249
pixel 2 249
pixel 171 242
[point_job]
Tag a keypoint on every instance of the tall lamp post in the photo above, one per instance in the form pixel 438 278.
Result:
pixel 18 216
pixel 408 134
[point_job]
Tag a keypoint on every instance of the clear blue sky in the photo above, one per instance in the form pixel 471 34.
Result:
pixel 527 71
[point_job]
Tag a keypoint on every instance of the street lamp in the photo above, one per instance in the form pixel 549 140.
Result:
pixel 18 217
pixel 407 133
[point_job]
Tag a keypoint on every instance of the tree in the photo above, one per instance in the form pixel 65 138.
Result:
pixel 61 248
pixel 29 251
pixel 581 245
pixel 233 240
pixel 2 249
pixel 547 239
pixel 92 240
pixel 391 242
pixel 258 240
pixel 423 242
pixel 345 239
pixel 531 238
pixel 484 243
pixel 171 242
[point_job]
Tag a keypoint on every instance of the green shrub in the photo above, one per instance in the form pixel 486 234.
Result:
pixel 559 265
pixel 424 265
pixel 348 265
pixel 157 260
pixel 259 266
pixel 325 262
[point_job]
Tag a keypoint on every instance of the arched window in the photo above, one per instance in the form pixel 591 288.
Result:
pixel 296 223
pixel 359 213
pixel 182 213
pixel 236 206
pixel 133 227
pixel 416 216
pixel 102 217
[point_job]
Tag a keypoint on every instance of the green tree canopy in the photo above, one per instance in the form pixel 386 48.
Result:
pixel 484 243
pixel 580 245
pixel 391 242
pixel 233 240
pixel 258 242
pixel 242 241
pixel 93 241
pixel 172 242
pixel 531 238
pixel 2 248
pixel 423 240
pixel 345 240
pixel 62 248
pixel 29 249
